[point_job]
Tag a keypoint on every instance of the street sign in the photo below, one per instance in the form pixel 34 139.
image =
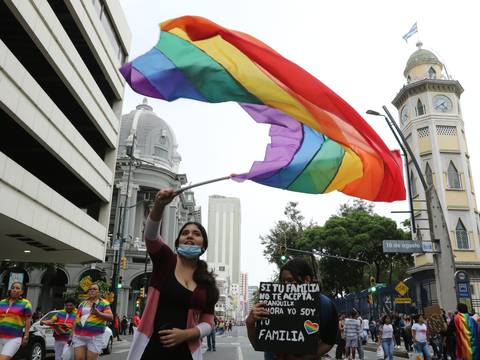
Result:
pixel 407 246
pixel 401 288
pixel 463 290
pixel 403 300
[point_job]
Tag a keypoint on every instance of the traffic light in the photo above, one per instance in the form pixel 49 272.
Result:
pixel 373 284
pixel 283 253
pixel 123 263
pixel 137 304
pixel 120 282
pixel 142 292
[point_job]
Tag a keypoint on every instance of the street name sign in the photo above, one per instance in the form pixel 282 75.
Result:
pixel 407 246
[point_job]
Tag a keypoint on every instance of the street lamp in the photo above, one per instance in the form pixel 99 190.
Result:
pixel 444 264
pixel 130 148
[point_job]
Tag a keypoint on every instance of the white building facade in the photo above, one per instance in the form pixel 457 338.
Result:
pixel 60 103
pixel 431 121
pixel 224 222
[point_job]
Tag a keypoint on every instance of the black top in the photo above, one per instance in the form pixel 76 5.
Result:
pixel 171 313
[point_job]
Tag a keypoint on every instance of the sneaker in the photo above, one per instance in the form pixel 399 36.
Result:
pixel 214 349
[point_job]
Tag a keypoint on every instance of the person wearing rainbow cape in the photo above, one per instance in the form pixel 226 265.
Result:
pixel 62 323
pixel 15 314
pixel 90 323
pixel 462 335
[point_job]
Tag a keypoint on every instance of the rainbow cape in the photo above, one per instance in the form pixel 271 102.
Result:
pixel 466 337
pixel 319 143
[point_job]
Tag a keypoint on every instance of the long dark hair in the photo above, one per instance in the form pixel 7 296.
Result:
pixel 299 269
pixel 201 275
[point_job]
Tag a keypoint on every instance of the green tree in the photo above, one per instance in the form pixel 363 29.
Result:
pixel 284 233
pixel 355 232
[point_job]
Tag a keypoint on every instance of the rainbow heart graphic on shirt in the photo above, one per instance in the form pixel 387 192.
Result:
pixel 310 327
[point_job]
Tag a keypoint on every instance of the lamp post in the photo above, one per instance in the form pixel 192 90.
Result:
pixel 443 261
pixel 116 267
pixel 407 168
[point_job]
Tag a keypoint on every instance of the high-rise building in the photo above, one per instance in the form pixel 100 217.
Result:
pixel 60 104
pixel 243 299
pixel 224 222
pixel 252 292
pixel 431 121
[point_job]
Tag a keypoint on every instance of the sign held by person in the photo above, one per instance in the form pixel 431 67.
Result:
pixel 293 323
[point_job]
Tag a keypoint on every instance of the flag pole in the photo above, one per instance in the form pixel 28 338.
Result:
pixel 188 187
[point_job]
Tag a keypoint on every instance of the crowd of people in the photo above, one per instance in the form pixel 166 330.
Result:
pixel 179 313
pixel 442 336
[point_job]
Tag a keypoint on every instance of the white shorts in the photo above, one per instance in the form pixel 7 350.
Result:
pixel 9 347
pixel 59 347
pixel 93 343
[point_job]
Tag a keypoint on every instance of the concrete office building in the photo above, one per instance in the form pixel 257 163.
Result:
pixel 60 105
pixel 224 221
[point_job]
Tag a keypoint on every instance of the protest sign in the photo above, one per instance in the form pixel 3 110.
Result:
pixel 434 317
pixel 293 323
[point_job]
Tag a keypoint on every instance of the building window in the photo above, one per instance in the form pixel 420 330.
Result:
pixel 461 235
pixel 420 109
pixel 432 74
pixel 423 132
pixel 160 152
pixel 104 16
pixel 444 130
pixel 413 184
pixel 428 175
pixel 453 177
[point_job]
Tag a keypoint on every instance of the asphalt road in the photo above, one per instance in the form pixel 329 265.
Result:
pixel 233 345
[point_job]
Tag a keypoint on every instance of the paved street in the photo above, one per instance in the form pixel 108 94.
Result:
pixel 230 346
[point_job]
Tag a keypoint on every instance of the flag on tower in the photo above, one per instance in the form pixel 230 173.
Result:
pixel 410 32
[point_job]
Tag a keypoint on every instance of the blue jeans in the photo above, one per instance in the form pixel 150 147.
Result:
pixel 422 347
pixel 211 340
pixel 387 346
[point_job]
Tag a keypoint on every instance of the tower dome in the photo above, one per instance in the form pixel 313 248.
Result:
pixel 423 64
pixel 155 141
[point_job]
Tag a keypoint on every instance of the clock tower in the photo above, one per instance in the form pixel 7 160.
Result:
pixel 431 121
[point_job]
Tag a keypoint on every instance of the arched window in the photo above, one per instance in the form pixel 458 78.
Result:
pixel 413 184
pixel 420 108
pixel 428 175
pixel 432 74
pixel 461 235
pixel 453 177
pixel 409 79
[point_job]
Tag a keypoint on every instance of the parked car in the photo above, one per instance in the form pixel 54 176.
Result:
pixel 41 340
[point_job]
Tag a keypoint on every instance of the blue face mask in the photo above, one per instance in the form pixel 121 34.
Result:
pixel 190 251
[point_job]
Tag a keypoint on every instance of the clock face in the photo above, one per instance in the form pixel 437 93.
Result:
pixel 442 103
pixel 404 115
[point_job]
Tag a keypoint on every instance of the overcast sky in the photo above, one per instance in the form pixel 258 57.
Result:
pixel 354 47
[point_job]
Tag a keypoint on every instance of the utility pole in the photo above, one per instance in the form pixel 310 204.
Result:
pixel 443 261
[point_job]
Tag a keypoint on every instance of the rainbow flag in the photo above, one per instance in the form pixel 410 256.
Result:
pixel 466 337
pixel 319 143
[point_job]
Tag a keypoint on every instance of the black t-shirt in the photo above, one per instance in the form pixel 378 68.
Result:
pixel 171 313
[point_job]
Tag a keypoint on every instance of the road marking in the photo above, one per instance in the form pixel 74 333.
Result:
pixel 239 353
pixel 121 351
